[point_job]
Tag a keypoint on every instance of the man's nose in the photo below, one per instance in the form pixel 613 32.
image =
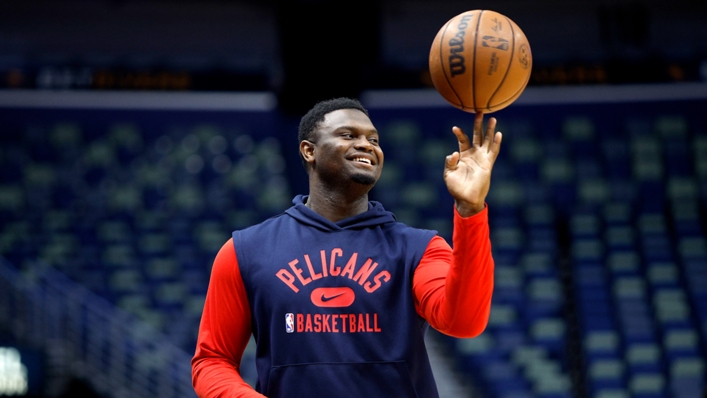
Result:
pixel 363 143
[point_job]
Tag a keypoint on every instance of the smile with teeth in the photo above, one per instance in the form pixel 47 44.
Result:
pixel 362 160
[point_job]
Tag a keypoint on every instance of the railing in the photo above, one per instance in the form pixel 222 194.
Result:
pixel 119 356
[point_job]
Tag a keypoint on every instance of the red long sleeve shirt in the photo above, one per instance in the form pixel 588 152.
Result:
pixel 452 290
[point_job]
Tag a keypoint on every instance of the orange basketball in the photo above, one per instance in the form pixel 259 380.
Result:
pixel 480 61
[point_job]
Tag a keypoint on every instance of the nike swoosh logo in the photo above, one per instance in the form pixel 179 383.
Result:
pixel 325 298
pixel 333 296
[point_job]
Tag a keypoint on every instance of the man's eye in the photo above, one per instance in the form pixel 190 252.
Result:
pixel 347 135
pixel 373 140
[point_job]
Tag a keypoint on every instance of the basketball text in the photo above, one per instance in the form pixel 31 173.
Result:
pixel 337 323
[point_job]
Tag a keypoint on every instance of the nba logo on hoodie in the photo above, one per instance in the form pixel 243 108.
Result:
pixel 289 322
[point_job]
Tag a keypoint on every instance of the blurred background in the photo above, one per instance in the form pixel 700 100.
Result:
pixel 136 135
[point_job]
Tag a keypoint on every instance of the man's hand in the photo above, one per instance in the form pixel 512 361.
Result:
pixel 467 173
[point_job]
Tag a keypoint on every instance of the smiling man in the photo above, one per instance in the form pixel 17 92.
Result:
pixel 336 292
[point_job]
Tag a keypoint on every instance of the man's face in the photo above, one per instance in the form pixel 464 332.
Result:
pixel 346 148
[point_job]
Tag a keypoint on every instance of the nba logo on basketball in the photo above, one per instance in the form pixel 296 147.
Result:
pixel 289 322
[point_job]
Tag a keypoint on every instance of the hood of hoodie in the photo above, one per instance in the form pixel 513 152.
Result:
pixel 374 216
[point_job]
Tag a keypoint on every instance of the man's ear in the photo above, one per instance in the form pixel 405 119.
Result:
pixel 306 149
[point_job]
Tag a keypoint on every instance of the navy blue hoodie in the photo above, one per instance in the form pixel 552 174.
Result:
pixel 332 304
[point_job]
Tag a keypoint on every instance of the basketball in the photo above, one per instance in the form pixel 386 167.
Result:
pixel 480 61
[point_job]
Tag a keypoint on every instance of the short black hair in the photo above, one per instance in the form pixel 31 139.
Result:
pixel 310 121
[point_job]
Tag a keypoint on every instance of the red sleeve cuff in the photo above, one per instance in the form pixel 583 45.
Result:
pixel 480 217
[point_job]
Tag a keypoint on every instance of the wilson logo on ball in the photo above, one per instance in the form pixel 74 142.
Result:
pixel 456 48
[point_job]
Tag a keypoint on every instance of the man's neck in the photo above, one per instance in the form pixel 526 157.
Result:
pixel 335 205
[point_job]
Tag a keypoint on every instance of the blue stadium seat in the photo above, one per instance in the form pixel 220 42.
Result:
pixel 606 374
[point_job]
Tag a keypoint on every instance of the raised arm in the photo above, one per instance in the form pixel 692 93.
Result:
pixel 453 288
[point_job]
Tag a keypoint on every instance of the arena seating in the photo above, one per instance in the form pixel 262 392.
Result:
pixel 134 212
